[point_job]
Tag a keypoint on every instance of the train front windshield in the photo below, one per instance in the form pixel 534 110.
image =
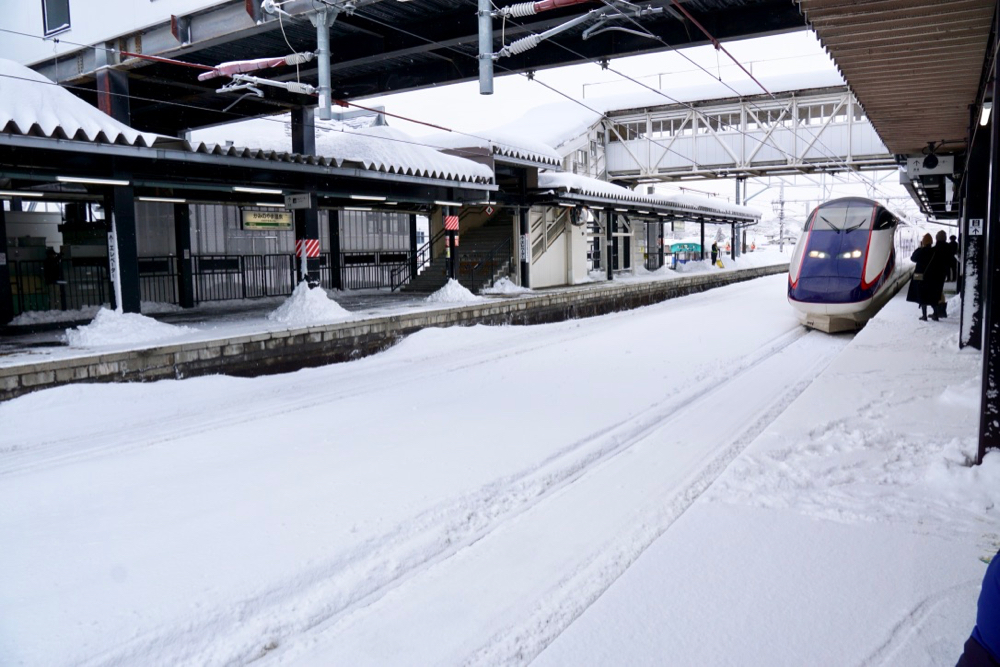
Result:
pixel 843 216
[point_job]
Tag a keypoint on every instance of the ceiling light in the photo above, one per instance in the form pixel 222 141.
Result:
pixel 258 191
pixel 165 200
pixel 269 205
pixel 448 203
pixel 622 210
pixel 984 115
pixel 368 197
pixel 91 181
pixel 568 205
pixel 14 193
pixel 393 203
pixel 357 208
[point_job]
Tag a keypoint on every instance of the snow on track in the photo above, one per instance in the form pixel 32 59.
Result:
pixel 220 520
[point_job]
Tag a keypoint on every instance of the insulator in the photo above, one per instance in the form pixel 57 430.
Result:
pixel 520 9
pixel 523 44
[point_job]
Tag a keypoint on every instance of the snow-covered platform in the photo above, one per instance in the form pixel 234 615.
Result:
pixel 269 347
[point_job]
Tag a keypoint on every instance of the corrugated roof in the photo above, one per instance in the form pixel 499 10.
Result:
pixel 914 65
pixel 32 105
pixel 690 204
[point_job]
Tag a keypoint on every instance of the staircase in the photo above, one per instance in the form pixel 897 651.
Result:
pixel 474 270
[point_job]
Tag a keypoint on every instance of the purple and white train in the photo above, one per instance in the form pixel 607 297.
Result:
pixel 844 267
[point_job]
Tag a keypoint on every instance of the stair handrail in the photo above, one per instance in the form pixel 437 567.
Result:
pixel 402 275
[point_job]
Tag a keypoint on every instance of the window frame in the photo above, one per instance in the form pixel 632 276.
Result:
pixel 46 30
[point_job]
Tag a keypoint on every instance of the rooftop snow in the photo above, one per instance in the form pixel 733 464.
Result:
pixel 554 124
pixel 686 203
pixel 378 148
pixel 499 142
pixel 31 104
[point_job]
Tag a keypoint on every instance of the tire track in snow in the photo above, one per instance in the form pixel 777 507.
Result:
pixel 388 561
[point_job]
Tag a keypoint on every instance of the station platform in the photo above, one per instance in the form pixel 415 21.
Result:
pixel 236 338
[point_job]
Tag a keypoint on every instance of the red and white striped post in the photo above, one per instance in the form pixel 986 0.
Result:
pixel 451 226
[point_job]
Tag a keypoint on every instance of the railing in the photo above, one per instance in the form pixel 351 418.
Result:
pixel 158 279
pixel 482 269
pixel 404 274
pixel 77 283
pixel 376 269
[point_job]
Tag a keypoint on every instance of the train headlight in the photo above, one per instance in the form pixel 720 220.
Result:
pixel 851 254
pixel 856 254
pixel 817 253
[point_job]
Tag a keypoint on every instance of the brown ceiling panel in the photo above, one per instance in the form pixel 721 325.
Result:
pixel 914 65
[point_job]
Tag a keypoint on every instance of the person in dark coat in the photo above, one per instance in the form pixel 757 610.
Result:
pixel 921 257
pixel 936 274
pixel 953 245
pixel 982 649
pixel 715 251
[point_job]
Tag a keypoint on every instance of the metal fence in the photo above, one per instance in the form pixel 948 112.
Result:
pixel 85 282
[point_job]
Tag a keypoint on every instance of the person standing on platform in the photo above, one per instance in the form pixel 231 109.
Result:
pixel 715 252
pixel 917 292
pixel 953 245
pixel 940 268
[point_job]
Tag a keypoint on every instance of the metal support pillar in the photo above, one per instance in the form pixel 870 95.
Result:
pixel 609 245
pixel 989 419
pixel 662 250
pixel 119 205
pixel 976 207
pixel 185 263
pixel 307 229
pixel 112 94
pixel 322 19
pixel 6 294
pixel 524 229
pixel 336 276
pixel 703 240
pixel 414 261
pixel 452 249
pixel 485 47
pixel 304 130
pixel 732 242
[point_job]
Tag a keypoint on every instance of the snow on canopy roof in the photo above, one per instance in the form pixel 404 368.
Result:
pixel 378 148
pixel 686 203
pixel 559 122
pixel 498 142
pixel 31 104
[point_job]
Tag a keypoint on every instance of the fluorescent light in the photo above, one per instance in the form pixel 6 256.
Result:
pixel 368 197
pixel 258 191
pixel 622 210
pixel 269 205
pixel 357 208
pixel 166 200
pixel 644 212
pixel 984 116
pixel 90 181
pixel 448 203
pixel 14 193
pixel 568 205
pixel 393 203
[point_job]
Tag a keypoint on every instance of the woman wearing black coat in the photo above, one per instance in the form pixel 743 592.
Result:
pixel 937 273
pixel 920 290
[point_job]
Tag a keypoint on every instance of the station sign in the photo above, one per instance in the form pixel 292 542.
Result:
pixel 299 200
pixel 268 220
pixel 975 226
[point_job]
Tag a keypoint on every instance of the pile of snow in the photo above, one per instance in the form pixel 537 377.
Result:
pixel 34 317
pixel 453 292
pixel 505 286
pixel 110 327
pixel 308 306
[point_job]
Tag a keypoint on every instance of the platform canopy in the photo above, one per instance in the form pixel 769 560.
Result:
pixel 52 142
pixel 917 67
pixel 560 188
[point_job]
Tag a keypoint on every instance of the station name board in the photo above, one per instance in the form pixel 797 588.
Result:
pixel 270 220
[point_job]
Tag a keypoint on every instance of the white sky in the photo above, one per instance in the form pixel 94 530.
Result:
pixel 461 107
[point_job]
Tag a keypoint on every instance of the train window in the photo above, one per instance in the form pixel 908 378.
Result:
pixel 843 216
pixel 885 220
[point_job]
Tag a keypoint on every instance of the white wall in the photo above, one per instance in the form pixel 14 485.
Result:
pixel 91 21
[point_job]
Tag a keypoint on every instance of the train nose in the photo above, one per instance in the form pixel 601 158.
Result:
pixel 825 289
